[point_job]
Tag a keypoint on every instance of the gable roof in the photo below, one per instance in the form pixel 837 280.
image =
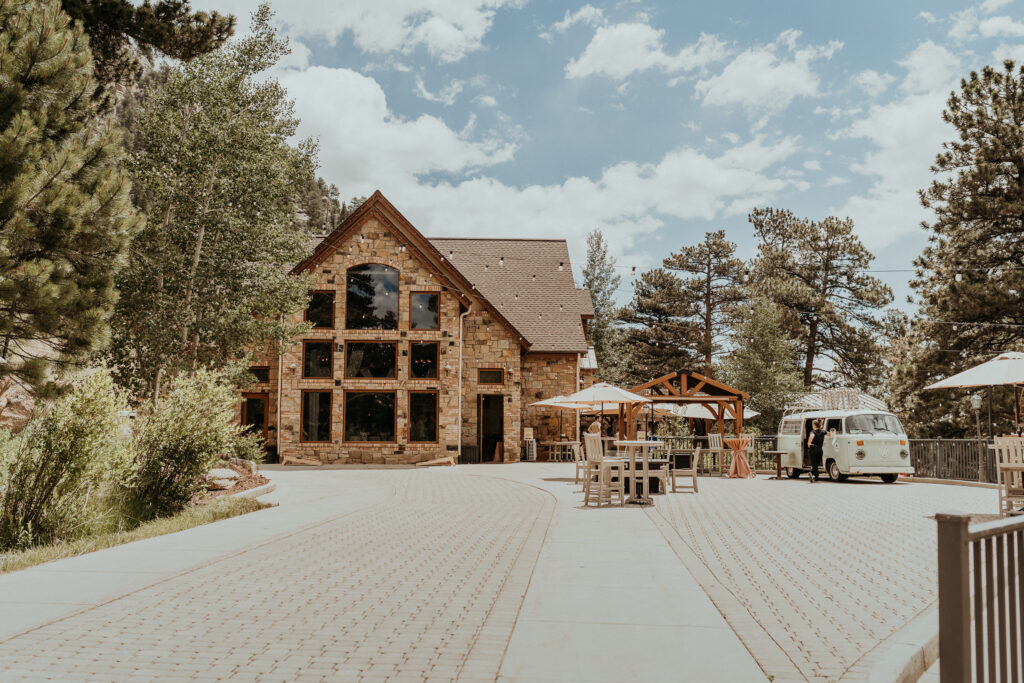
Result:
pixel 586 302
pixel 530 281
pixel 391 218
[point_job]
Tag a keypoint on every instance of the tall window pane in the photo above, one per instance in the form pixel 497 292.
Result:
pixel 316 416
pixel 423 417
pixel 317 359
pixel 373 360
pixel 320 310
pixel 423 360
pixel 424 315
pixel 370 416
pixel 372 298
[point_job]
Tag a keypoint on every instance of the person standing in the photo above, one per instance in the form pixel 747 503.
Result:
pixel 815 443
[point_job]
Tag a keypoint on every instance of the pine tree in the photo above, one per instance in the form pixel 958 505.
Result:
pixel 121 31
pixel 208 278
pixel 763 362
pixel 714 290
pixel 816 272
pixel 600 278
pixel 659 334
pixel 970 277
pixel 65 212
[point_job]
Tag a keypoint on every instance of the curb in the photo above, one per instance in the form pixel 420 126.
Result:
pixel 256 492
pixel 904 656
pixel 951 482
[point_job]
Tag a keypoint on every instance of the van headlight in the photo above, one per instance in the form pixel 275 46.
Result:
pixel 861 454
pixel 904 454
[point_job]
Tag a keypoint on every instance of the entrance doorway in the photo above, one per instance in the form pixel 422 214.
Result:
pixel 491 425
pixel 254 414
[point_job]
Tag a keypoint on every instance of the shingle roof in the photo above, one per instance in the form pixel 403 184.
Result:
pixel 586 302
pixel 534 289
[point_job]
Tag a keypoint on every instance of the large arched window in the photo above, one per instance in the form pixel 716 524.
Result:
pixel 372 299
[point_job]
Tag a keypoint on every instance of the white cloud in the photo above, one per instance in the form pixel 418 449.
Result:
pixel 588 14
pixel 928 17
pixel 445 96
pixel 836 113
pixel 812 165
pixel 1001 26
pixel 872 82
pixel 768 78
pixel 836 180
pixel 620 50
pixel 1004 51
pixel 485 101
pixel 904 136
pixel 990 6
pixel 447 29
pixel 963 24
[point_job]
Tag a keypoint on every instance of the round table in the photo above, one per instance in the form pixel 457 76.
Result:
pixel 645 446
pixel 739 468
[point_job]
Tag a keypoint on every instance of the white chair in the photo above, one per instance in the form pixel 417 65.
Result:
pixel 717 449
pixel 605 477
pixel 580 460
pixel 690 471
pixel 1010 451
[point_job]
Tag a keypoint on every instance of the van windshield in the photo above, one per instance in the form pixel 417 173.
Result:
pixel 873 423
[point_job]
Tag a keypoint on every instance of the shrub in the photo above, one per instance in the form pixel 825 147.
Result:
pixel 180 439
pixel 49 472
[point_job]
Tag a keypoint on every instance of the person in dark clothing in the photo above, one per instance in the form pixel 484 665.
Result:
pixel 815 442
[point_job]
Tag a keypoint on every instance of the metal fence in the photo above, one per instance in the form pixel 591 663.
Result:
pixel 952 459
pixel 981 599
pixel 711 462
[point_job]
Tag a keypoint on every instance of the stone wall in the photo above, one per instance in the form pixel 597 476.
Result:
pixel 544 376
pixel 489 346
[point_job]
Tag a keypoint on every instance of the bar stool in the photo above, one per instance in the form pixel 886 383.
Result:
pixel 606 475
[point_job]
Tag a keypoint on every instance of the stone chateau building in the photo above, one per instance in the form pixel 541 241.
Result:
pixel 423 348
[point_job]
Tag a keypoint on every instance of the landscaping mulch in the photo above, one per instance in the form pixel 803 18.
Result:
pixel 247 480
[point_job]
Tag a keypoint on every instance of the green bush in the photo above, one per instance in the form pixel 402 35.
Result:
pixel 61 463
pixel 177 442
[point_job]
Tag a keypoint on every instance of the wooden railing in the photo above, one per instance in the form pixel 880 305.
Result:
pixel 952 459
pixel 981 599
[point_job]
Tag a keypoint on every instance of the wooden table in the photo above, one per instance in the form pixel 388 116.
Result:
pixel 561 449
pixel 778 462
pixel 645 446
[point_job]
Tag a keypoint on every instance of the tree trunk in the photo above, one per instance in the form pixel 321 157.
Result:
pixel 812 338
pixel 707 322
pixel 197 254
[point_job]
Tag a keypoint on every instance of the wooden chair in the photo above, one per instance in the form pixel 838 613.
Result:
pixel 690 471
pixel 716 448
pixel 605 477
pixel 1010 451
pixel 581 461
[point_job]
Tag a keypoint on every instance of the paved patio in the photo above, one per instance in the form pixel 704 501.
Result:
pixel 494 572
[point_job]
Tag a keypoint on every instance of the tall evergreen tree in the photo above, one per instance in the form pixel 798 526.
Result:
pixel 815 271
pixel 65 212
pixel 714 289
pixel 970 277
pixel 600 278
pixel 659 332
pixel 121 31
pixel 763 361
pixel 208 278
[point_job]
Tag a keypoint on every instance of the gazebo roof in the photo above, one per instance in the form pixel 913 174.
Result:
pixel 688 386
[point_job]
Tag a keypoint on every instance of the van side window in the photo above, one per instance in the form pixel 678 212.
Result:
pixel 790 427
pixel 835 424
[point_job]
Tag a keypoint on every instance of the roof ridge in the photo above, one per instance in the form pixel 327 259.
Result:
pixel 502 239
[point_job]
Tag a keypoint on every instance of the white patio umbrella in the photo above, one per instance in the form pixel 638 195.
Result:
pixel 697 411
pixel 1006 368
pixel 560 402
pixel 603 393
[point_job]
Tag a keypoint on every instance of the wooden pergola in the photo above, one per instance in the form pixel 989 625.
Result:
pixel 686 386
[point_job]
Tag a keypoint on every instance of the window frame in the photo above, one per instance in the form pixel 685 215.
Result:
pixel 344 409
pixel 437 416
pixel 437 360
pixel 260 367
pixel 334 305
pixel 398 295
pixel 479 379
pixel 425 329
pixel 394 345
pixel 330 414
pixel 330 345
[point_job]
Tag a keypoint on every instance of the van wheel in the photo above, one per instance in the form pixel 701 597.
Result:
pixel 793 473
pixel 833 471
pixel 889 478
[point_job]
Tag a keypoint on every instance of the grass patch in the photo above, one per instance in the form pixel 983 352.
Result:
pixel 191 517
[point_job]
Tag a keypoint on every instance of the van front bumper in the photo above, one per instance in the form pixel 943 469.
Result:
pixel 907 469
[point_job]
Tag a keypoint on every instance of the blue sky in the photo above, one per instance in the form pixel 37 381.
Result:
pixel 653 121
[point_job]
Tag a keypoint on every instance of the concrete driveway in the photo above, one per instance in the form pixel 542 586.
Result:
pixel 491 572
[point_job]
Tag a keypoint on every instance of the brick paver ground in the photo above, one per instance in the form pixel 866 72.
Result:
pixel 425 584
pixel 827 571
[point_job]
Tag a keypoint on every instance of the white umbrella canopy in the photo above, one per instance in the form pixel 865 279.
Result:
pixel 1006 368
pixel 603 392
pixel 696 411
pixel 560 402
